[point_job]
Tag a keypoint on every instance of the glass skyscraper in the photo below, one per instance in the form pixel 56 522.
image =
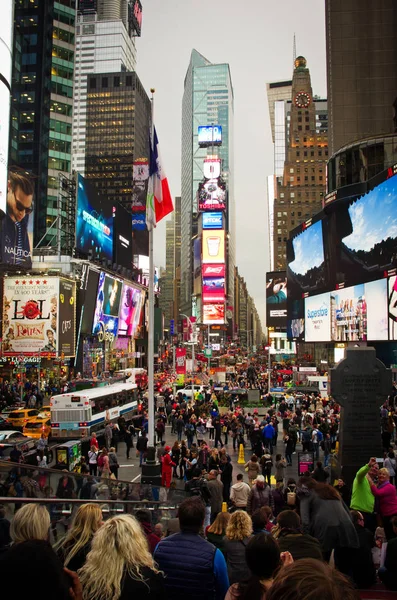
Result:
pixel 207 99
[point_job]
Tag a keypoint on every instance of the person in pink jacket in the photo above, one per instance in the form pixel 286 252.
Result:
pixel 385 494
pixel 166 467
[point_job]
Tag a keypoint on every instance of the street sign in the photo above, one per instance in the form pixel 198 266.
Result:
pixel 172 323
pixel 207 352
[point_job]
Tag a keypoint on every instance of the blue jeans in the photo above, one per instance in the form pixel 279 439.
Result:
pixel 326 460
pixel 141 457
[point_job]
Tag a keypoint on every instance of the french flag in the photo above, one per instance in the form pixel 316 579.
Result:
pixel 159 202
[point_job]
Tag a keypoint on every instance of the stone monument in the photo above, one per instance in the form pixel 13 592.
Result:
pixel 360 384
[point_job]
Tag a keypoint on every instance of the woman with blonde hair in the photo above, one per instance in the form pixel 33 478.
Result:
pixel 120 566
pixel 75 546
pixel 216 532
pixel 238 534
pixel 31 522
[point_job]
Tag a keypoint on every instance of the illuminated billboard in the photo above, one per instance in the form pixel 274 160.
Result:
pixel 209 135
pixel 212 220
pixel 359 313
pixel 107 307
pixel 213 314
pixel 122 237
pixel 197 266
pixel 140 176
pixel 17 224
pixel 135 17
pixel 213 247
pixel 318 318
pixel 308 256
pixel 131 305
pixel 214 270
pixel 67 318
pixel 94 222
pixel 276 299
pixel 30 316
pixel 212 168
pixel 392 307
pixel 212 195
pixel 213 289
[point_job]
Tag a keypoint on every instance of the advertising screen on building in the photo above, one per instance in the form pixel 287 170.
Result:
pixel 369 225
pixel 135 17
pixel 94 222
pixel 392 307
pixel 30 316
pixel 122 237
pixel 209 135
pixel 107 305
pixel 307 265
pixel 213 220
pixel 87 299
pixel 318 318
pixel 67 318
pixel 359 313
pixel 214 270
pixel 213 314
pixel 213 289
pixel 17 224
pixel 213 247
pixel 132 302
pixel 212 195
pixel 276 299
pixel 140 175
pixel 197 266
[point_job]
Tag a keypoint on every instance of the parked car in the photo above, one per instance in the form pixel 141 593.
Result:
pixel 35 427
pixel 19 418
pixel 9 435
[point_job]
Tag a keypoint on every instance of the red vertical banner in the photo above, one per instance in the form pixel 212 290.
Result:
pixel 180 356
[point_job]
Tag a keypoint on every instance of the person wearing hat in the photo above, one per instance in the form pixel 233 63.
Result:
pixel 166 469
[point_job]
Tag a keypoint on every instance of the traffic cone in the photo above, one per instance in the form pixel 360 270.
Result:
pixel 224 506
pixel 241 459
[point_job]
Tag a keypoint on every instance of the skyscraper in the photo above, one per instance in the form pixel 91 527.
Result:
pixel 105 43
pixel 118 113
pixel 361 69
pixel 170 283
pixel 207 100
pixel 42 100
pixel 296 192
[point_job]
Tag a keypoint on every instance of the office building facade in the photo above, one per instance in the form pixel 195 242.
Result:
pixel 118 113
pixel 170 282
pixel 296 192
pixel 42 102
pixel 207 100
pixel 105 43
pixel 361 69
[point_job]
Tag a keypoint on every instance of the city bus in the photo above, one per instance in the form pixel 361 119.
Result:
pixel 78 414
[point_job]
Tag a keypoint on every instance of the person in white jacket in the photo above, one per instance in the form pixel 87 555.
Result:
pixel 239 493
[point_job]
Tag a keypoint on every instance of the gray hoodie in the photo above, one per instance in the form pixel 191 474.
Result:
pixel 239 493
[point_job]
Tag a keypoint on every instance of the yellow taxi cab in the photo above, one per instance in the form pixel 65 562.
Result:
pixel 18 418
pixel 35 427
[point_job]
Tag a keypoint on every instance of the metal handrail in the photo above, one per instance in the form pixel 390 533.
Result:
pixel 19 500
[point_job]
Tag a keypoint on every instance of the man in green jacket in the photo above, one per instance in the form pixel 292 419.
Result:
pixel 362 498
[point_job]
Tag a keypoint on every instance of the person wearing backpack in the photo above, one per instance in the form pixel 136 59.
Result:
pixel 197 486
pixel 290 493
pixel 93 461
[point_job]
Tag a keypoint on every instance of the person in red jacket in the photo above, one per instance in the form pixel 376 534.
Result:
pixel 166 470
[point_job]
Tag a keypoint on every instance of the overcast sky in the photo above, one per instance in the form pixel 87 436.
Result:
pixel 256 39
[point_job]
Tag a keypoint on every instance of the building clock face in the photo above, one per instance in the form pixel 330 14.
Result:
pixel 302 100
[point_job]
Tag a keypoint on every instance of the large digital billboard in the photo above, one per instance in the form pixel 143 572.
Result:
pixel 213 314
pixel 87 300
pixel 197 266
pixel 359 313
pixel 212 220
pixel 308 257
pixel 276 299
pixel 107 306
pixel 213 246
pixel 94 221
pixel 67 318
pixel 122 237
pixel 140 175
pixel 213 289
pixel 131 305
pixel 30 316
pixel 214 270
pixel 318 318
pixel 209 135
pixel 212 195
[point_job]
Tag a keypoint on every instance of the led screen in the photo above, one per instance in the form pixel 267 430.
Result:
pixel 213 246
pixel 213 314
pixel 213 220
pixel 392 308
pixel 107 305
pixel 213 289
pixel 373 237
pixel 318 318
pixel 94 222
pixel 308 263
pixel 130 310
pixel 276 299
pixel 209 135
pixel 122 246
pixel 212 195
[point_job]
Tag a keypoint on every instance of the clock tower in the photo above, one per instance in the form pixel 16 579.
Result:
pixel 299 192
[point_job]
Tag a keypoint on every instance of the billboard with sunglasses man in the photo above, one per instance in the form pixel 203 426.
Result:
pixel 17 223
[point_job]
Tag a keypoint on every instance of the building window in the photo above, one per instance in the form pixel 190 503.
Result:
pixel 93 83
pixel 104 82
pixel 291 170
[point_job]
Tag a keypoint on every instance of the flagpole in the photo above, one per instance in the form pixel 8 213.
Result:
pixel 151 440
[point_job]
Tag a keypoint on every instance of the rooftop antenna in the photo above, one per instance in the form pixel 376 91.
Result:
pixel 294 52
